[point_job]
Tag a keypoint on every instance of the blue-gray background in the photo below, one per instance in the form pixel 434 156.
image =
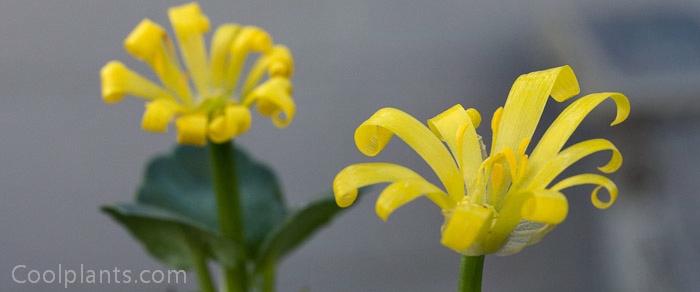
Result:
pixel 63 152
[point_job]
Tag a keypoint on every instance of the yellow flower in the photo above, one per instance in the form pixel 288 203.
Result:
pixel 218 109
pixel 499 202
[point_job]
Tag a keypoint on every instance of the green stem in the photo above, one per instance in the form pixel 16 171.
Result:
pixel 470 273
pixel 228 203
pixel 268 284
pixel 203 275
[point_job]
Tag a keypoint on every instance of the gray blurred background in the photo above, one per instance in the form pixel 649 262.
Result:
pixel 63 152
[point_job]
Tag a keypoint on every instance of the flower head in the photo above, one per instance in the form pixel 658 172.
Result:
pixel 498 202
pixel 217 108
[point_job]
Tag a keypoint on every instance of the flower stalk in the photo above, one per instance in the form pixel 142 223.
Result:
pixel 471 269
pixel 228 204
pixel 201 268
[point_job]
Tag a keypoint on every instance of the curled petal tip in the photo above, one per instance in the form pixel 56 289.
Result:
pixel 281 62
pixel 157 116
pixel 548 207
pixel 192 129
pixel 614 164
pixel 233 122
pixel 600 204
pixel 145 40
pixel 382 212
pixel 189 17
pixel 474 116
pixel 252 38
pixel 623 108
pixel 566 85
pixel 113 75
pixel 346 199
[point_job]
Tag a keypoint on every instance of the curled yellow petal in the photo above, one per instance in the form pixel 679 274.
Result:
pixel 277 63
pixel 594 179
pixel 192 129
pixel 274 99
pixel 145 42
pixel 189 24
pixel 566 123
pixel 474 116
pixel 234 121
pixel 355 176
pixel 466 226
pixel 249 39
pixel 220 51
pixel 526 102
pixel 158 115
pixel 446 124
pixel 373 134
pixel 545 206
pixel 149 43
pixel 118 80
pixel 402 192
pixel 555 166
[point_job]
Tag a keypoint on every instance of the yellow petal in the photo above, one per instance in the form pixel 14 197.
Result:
pixel 474 116
pixel 278 63
pixel 233 122
pixel 402 192
pixel 189 24
pixel 555 166
pixel 508 218
pixel 149 43
pixel 192 129
pixel 250 39
pixel 469 153
pixel 466 227
pixel 372 136
pixel 220 51
pixel 594 179
pixel 526 102
pixel 158 115
pixel 566 123
pixel 353 177
pixel 446 124
pixel 273 99
pixel 545 206
pixel 118 80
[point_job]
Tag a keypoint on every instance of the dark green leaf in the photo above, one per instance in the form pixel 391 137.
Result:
pixel 296 229
pixel 169 237
pixel 176 197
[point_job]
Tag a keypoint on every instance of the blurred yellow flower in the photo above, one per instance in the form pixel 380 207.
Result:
pixel 218 109
pixel 499 202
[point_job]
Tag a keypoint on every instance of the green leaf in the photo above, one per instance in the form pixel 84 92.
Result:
pixel 169 237
pixel 176 199
pixel 296 229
